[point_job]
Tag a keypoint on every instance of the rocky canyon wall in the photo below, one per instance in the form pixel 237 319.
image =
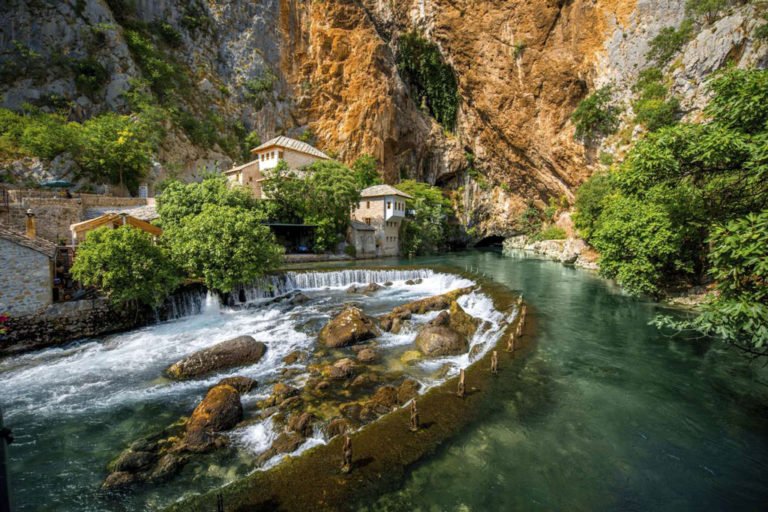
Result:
pixel 521 70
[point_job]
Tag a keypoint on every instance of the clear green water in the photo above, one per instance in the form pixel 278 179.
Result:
pixel 605 414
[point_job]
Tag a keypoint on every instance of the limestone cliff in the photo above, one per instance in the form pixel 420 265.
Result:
pixel 331 68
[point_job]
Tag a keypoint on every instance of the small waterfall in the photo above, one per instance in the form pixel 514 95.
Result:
pixel 277 285
pixel 188 301
pixel 212 306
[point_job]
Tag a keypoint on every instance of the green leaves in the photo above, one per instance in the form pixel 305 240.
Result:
pixel 596 116
pixel 224 246
pixel 430 77
pixel 426 231
pixel 126 265
pixel 740 100
pixel 366 172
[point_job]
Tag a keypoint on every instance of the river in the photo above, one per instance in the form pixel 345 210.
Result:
pixel 603 413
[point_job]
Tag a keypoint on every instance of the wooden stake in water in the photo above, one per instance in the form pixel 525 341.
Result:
pixel 495 362
pixel 511 343
pixel 461 391
pixel 414 425
pixel 346 464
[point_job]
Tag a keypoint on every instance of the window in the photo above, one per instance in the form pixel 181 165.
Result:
pixel 280 155
pixel 389 205
pixel 368 205
pixel 368 220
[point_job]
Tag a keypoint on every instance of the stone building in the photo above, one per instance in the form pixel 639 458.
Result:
pixel 295 153
pixel 363 237
pixel 26 273
pixel 383 207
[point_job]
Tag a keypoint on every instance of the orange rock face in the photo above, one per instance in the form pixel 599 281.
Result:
pixel 522 67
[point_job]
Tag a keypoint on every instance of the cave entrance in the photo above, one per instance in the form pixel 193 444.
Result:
pixel 490 241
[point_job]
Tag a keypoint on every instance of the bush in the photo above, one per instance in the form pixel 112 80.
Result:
pixel 669 41
pixel 90 75
pixel 589 203
pixel 366 172
pixel 652 108
pixel 431 79
pixel 426 231
pixel 706 8
pixel 126 265
pixel 596 117
pixel 551 233
pixel 740 100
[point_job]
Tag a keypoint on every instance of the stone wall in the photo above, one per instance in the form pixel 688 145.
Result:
pixel 25 279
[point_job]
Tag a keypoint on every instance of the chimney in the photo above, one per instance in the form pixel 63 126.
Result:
pixel 31 227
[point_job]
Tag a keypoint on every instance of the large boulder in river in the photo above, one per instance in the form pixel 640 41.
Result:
pixel 348 327
pixel 441 340
pixel 240 351
pixel 220 410
pixel 461 321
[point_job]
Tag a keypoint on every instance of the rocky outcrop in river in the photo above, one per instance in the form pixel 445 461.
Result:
pixel 240 351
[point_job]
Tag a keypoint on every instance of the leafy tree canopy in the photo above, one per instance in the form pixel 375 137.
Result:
pixel 366 172
pixel 126 265
pixel 224 246
pixel 180 200
pixel 427 231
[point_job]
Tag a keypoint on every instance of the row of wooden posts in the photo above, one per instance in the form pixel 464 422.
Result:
pixel 413 424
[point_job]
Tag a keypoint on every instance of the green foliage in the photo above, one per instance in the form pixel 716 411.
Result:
pixel 431 79
pixel 596 117
pixel 706 8
pixel 651 219
pixel 551 233
pixel 181 200
pixel 740 100
pixel 738 311
pixel 170 35
pixel 118 148
pixel 224 246
pixel 761 32
pixel 637 243
pixel 652 107
pixel 590 203
pixel 366 172
pixel 258 89
pixel 49 135
pixel 90 75
pixel 351 251
pixel 530 221
pixel 426 232
pixel 670 41
pixel 126 265
pixel 323 195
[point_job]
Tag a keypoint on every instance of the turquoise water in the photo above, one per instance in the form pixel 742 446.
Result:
pixel 605 414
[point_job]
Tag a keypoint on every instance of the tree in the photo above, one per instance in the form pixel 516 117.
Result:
pixel 738 311
pixel 126 265
pixel 224 246
pixel 707 8
pixel 180 200
pixel 118 148
pixel 287 193
pixel 426 231
pixel 333 193
pixel 589 203
pixel 596 116
pixel 740 100
pixel 366 172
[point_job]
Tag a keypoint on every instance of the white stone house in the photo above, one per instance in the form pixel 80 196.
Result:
pixel 26 273
pixel 295 153
pixel 383 207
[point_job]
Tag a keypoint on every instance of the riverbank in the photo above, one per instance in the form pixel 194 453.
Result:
pixel 571 251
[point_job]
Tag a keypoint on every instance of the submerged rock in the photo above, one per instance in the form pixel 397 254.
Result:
pixel 294 357
pixel 348 327
pixel 301 423
pixel 240 351
pixel 408 389
pixel 367 356
pixel 286 442
pixel 220 410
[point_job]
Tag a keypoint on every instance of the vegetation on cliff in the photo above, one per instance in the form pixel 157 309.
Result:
pixel 431 79
pixel 684 199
